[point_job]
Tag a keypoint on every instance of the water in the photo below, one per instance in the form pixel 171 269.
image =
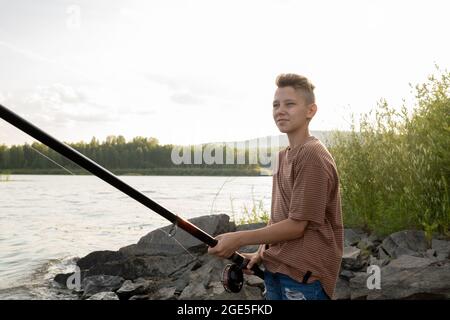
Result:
pixel 46 221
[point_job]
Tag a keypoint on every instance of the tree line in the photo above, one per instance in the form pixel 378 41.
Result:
pixel 141 155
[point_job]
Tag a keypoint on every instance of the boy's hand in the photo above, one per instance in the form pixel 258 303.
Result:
pixel 227 244
pixel 254 258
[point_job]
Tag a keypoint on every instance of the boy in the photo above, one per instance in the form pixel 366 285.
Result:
pixel 304 236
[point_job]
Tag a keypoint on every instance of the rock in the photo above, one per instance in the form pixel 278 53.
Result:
pixel 180 284
pixel 217 292
pixel 358 286
pixel 254 281
pixel 346 274
pixel 140 297
pixel 442 247
pixel 409 242
pixel 250 226
pixel 210 271
pixel 166 293
pixel 430 254
pixel 375 238
pixel 99 257
pixel 139 287
pixel 104 296
pixel 351 253
pixel 61 278
pixel 157 267
pixel 378 262
pixel 408 262
pixel 217 288
pixel 101 283
pixel 401 281
pixel 352 236
pixel 382 254
pixel 158 242
pixel 366 244
pixel 253 293
pixel 442 257
pixel 354 259
pixel 143 266
pixel 194 291
pixel 342 290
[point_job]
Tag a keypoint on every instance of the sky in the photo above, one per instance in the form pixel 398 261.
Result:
pixel 188 72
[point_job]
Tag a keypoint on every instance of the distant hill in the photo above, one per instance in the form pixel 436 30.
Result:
pixel 282 139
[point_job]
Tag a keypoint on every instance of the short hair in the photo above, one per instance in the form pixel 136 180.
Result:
pixel 297 82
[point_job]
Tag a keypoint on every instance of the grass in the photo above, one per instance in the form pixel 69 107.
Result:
pixel 395 165
pixel 255 214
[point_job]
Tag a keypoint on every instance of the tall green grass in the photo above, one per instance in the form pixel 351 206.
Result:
pixel 255 213
pixel 394 166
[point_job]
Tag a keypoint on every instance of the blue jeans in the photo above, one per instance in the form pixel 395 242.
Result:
pixel 282 287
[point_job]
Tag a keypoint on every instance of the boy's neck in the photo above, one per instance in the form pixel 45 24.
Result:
pixel 298 138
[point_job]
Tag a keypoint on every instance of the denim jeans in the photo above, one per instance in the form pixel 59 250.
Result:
pixel 282 287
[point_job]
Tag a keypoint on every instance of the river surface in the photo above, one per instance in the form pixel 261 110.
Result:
pixel 46 221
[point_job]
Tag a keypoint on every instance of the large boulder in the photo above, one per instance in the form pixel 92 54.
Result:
pixel 161 242
pixel 409 262
pixel 342 290
pixel 442 248
pixel 353 236
pixel 408 242
pixel 99 257
pixel 100 283
pixel 408 277
pixel 143 266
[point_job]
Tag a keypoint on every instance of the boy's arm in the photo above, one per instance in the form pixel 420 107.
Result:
pixel 284 230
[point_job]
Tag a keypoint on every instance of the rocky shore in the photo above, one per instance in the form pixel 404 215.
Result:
pixel 171 264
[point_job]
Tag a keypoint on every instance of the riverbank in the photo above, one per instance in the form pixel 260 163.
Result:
pixel 160 267
pixel 148 172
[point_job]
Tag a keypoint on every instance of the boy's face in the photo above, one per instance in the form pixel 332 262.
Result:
pixel 290 111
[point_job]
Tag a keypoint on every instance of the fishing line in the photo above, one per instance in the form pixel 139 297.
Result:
pixel 232 276
pixel 169 234
pixel 52 160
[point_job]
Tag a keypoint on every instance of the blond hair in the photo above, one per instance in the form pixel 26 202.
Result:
pixel 297 82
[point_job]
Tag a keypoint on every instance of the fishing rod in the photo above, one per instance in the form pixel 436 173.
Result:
pixel 232 277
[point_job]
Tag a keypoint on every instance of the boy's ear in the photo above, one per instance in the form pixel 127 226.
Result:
pixel 312 109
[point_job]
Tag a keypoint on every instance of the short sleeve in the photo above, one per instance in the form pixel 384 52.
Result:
pixel 309 194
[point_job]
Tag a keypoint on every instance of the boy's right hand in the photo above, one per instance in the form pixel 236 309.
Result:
pixel 254 258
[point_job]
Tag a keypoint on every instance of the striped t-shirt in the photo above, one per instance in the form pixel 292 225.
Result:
pixel 306 187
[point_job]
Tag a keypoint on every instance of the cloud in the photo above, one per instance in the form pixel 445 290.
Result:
pixel 186 99
pixel 62 104
pixel 185 91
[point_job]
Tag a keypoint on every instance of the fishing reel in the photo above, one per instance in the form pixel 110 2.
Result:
pixel 233 277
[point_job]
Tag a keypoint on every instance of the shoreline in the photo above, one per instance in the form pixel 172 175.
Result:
pixel 158 268
pixel 147 172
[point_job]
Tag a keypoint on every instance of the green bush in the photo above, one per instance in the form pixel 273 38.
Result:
pixel 395 167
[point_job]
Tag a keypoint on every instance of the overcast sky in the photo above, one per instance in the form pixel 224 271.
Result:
pixel 201 71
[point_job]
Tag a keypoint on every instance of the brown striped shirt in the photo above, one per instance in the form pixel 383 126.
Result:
pixel 306 187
